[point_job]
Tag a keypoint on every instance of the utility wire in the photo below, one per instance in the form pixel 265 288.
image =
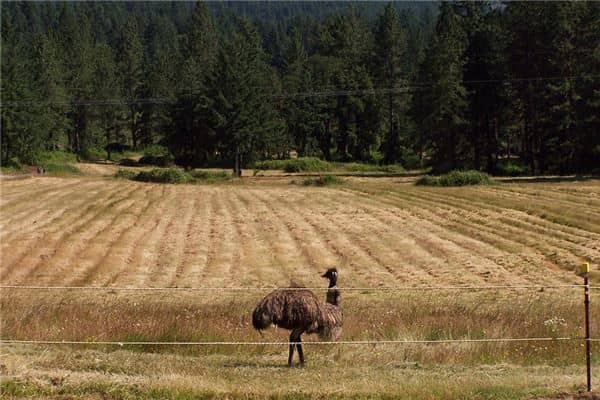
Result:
pixel 412 87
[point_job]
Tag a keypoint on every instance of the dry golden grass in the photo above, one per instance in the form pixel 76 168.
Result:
pixel 265 232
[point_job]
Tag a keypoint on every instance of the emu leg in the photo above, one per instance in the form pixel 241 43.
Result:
pixel 300 352
pixel 292 345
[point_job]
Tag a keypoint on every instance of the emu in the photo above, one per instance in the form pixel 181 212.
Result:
pixel 301 311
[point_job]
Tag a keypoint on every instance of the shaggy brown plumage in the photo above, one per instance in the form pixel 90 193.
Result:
pixel 300 311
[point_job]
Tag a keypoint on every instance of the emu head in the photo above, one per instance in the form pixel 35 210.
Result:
pixel 332 275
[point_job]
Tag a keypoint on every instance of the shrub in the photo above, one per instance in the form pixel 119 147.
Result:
pixel 166 175
pixel 324 180
pixel 360 167
pixel 125 174
pixel 128 162
pixel 210 176
pixel 61 169
pixel 157 155
pixel 55 157
pixel 456 178
pixel 12 165
pixel 94 154
pixel 295 165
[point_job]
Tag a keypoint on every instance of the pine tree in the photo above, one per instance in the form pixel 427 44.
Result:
pixel 390 45
pixel 444 101
pixel 243 112
pixel 130 69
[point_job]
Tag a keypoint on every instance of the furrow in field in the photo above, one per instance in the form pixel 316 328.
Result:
pixel 39 213
pixel 172 246
pixel 288 262
pixel 308 242
pixel 189 269
pixel 440 253
pixel 43 246
pixel 224 251
pixel 257 258
pixel 350 254
pixel 39 265
pixel 591 203
pixel 514 223
pixel 555 216
pixel 56 185
pixel 147 233
pixel 403 255
pixel 111 245
pixel 10 190
pixel 568 206
pixel 88 246
pixel 485 254
pixel 459 221
pixel 147 252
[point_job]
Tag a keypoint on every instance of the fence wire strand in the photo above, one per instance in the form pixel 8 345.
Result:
pixel 263 288
pixel 343 342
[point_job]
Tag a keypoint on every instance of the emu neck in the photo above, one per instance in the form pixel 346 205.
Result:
pixel 332 282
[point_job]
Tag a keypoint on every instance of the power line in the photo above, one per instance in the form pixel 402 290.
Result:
pixel 405 88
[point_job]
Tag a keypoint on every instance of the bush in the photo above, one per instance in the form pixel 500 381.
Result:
pixel 456 178
pixel 128 162
pixel 295 164
pixel 53 157
pixel 125 174
pixel 210 176
pixel 12 165
pixel 167 175
pixel 94 154
pixel 159 161
pixel 324 180
pixel 360 167
pixel 157 155
pixel 61 169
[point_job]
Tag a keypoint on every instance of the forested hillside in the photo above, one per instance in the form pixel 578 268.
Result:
pixel 504 87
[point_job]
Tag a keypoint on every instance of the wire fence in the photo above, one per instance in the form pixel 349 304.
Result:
pixel 264 288
pixel 326 343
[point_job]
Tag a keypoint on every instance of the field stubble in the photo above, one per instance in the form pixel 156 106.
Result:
pixel 379 233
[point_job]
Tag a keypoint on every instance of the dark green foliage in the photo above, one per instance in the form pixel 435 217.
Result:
pixel 456 178
pixel 228 84
pixel 323 180
pixel 302 164
pixel 175 175
pixel 371 168
pixel 125 174
pixel 61 169
pixel 163 175
pixel 511 169
pixel 156 155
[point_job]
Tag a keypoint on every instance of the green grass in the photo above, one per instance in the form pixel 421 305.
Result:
pixel 54 157
pixel 323 180
pixel 303 164
pixel 456 178
pixel 210 176
pixel 61 169
pixel 370 168
pixel 125 174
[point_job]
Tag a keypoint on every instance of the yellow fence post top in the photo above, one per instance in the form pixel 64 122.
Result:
pixel 585 267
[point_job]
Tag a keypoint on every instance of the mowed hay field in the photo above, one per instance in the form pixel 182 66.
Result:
pixel 379 232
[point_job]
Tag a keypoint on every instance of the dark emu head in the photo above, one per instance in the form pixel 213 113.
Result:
pixel 332 275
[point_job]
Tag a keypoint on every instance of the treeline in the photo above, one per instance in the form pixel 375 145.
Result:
pixel 479 85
